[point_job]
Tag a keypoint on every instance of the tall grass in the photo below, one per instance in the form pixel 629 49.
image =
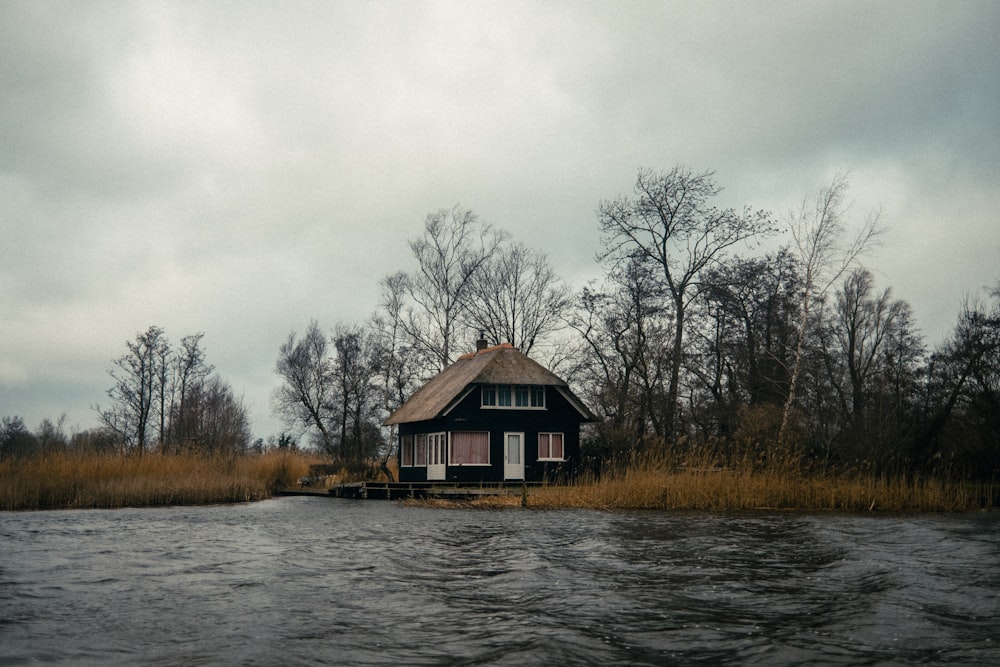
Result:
pixel 76 480
pixel 691 489
pixel 699 483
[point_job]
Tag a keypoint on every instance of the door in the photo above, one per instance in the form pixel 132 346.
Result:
pixel 437 456
pixel 513 456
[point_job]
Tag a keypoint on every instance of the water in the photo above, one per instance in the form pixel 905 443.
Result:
pixel 320 581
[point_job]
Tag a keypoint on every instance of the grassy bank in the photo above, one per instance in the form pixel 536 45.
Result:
pixel 69 480
pixel 728 490
pixel 656 485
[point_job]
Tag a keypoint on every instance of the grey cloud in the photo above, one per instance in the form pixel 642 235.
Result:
pixel 241 168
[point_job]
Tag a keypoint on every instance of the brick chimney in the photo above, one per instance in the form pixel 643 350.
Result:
pixel 481 344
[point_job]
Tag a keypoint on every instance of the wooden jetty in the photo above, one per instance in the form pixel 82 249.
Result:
pixel 450 490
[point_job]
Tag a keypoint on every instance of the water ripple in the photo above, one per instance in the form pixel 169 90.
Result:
pixel 317 581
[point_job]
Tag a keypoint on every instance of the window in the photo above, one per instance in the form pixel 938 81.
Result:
pixel 521 396
pixel 436 449
pixel 550 447
pixel 420 455
pixel 537 396
pixel 470 448
pixel 513 396
pixel 503 395
pixel 406 451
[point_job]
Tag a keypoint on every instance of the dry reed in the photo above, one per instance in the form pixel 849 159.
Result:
pixel 70 480
pixel 666 484
pixel 746 490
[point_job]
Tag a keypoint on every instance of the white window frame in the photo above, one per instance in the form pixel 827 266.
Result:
pixel 407 443
pixel 437 446
pixel 549 434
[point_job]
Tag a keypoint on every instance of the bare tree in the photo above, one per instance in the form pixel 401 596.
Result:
pixel 400 362
pixel 965 378
pixel 825 252
pixel 355 372
pixel 516 298
pixel 672 224
pixel 865 322
pixel 307 397
pixel 399 365
pixel 162 369
pixel 625 329
pixel 189 372
pixel 750 311
pixel 137 389
pixel 453 248
pixel 217 421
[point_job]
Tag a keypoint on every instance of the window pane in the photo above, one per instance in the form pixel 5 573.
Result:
pixel 550 446
pixel 538 397
pixel 434 447
pixel 489 394
pixel 421 453
pixel 521 398
pixel 470 448
pixel 406 450
pixel 543 445
pixel 513 449
pixel 557 446
pixel 503 395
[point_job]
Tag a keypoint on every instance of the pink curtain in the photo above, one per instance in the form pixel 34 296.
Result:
pixel 550 445
pixel 470 448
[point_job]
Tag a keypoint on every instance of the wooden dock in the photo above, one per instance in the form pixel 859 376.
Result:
pixel 450 490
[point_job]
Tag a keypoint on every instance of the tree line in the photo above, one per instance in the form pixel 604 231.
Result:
pixel 694 339
pixel 703 334
pixel 163 398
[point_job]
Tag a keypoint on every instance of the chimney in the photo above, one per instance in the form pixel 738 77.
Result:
pixel 481 344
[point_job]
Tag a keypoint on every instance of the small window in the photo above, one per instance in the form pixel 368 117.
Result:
pixel 522 396
pixel 470 448
pixel 503 395
pixel 489 394
pixel 537 396
pixel 406 451
pixel 550 447
pixel 513 396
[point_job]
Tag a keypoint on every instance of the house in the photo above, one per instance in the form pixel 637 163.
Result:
pixel 492 416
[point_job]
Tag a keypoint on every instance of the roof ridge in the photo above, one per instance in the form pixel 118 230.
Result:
pixel 501 346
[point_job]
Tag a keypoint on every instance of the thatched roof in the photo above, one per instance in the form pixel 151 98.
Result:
pixel 502 364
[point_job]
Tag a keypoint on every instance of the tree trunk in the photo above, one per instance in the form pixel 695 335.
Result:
pixel 673 389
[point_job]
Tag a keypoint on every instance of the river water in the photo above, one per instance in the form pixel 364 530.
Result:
pixel 316 581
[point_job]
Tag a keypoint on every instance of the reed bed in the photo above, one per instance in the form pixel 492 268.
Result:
pixel 71 480
pixel 727 490
pixel 665 485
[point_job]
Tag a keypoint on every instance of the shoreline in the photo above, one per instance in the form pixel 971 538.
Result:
pixel 84 481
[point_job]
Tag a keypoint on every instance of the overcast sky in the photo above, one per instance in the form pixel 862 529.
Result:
pixel 239 168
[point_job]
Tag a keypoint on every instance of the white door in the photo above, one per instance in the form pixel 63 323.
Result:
pixel 513 456
pixel 437 456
